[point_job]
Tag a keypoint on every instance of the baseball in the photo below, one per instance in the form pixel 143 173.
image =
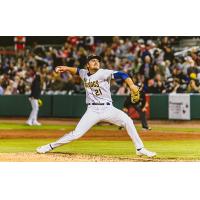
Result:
pixel 57 69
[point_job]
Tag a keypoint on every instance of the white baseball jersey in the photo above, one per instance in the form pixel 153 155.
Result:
pixel 97 88
pixel 97 85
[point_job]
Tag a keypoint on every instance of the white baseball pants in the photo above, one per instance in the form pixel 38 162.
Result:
pixel 34 113
pixel 98 113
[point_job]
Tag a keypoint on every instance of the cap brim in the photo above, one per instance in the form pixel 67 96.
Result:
pixel 94 57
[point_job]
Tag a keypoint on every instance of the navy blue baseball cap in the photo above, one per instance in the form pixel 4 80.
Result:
pixel 90 57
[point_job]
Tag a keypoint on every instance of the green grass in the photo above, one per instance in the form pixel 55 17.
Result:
pixel 11 126
pixel 166 150
pixel 179 150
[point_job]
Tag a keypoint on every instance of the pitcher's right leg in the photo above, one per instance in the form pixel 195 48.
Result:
pixel 88 120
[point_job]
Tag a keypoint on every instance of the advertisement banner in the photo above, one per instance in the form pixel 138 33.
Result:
pixel 179 106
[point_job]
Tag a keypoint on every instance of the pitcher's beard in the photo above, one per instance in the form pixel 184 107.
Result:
pixel 92 71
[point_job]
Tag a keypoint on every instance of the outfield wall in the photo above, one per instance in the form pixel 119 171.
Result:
pixel 74 106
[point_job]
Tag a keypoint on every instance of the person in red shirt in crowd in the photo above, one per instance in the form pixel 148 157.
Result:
pixel 20 43
pixel 73 40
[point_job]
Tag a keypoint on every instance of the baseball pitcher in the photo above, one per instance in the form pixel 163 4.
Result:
pixel 99 104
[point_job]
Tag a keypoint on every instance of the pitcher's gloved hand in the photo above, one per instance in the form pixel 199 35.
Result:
pixel 135 95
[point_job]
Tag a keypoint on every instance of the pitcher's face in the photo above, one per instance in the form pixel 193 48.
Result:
pixel 93 64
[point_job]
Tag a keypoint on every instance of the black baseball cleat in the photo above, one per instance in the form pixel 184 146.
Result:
pixel 121 128
pixel 146 129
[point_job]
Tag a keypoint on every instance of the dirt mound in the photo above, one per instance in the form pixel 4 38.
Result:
pixel 62 157
pixel 66 157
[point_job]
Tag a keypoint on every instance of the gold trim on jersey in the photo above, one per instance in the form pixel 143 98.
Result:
pixel 92 84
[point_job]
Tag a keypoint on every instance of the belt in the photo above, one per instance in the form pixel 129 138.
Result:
pixel 98 104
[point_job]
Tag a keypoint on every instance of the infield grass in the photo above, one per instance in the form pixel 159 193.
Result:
pixel 184 150
pixel 11 126
pixel 166 150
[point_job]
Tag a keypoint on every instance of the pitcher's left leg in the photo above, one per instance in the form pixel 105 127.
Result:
pixel 119 118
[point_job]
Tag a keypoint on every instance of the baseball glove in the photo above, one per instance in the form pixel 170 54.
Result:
pixel 40 102
pixel 135 96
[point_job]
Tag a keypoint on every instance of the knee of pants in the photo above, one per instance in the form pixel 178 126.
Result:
pixel 128 122
pixel 77 134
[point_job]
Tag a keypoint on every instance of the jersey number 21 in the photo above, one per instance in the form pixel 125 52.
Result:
pixel 98 92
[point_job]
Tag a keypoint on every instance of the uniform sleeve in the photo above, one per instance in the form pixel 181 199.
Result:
pixel 81 73
pixel 115 75
pixel 120 75
pixel 107 74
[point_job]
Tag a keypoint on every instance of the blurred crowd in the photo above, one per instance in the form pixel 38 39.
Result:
pixel 153 63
